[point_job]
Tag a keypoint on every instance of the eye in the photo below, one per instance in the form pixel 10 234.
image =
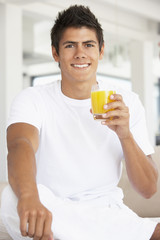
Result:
pixel 69 46
pixel 89 45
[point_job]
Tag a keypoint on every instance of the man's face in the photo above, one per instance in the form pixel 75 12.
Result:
pixel 78 54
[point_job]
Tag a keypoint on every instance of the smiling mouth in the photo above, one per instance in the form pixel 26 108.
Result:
pixel 80 66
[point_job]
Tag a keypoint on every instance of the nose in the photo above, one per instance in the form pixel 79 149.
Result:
pixel 80 53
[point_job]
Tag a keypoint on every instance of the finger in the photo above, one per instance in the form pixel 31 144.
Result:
pixel 114 122
pixel 115 105
pixel 47 233
pixel 39 225
pixel 116 113
pixel 90 110
pixel 116 97
pixel 24 223
pixel 32 223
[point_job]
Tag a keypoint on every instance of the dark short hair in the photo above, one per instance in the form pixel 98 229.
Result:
pixel 75 16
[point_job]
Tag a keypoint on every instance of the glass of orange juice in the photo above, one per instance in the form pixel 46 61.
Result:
pixel 100 97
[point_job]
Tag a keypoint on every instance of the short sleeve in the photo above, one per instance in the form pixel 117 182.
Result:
pixel 138 126
pixel 26 108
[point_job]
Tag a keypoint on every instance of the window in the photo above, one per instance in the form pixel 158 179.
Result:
pixel 124 83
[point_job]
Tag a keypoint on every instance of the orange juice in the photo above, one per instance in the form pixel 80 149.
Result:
pixel 99 99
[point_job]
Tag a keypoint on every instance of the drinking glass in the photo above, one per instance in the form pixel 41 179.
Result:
pixel 100 97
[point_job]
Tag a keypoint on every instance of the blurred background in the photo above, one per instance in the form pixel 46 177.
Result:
pixel 131 60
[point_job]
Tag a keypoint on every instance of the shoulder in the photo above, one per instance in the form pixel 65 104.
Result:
pixel 37 92
pixel 47 89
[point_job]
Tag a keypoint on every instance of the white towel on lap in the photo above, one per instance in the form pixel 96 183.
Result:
pixel 76 220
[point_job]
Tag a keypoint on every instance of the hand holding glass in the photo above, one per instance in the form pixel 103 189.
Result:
pixel 100 97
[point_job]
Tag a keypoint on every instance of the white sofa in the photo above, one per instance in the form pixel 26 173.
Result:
pixel 143 207
pixel 3 234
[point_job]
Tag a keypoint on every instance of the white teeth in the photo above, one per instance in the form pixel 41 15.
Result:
pixel 81 66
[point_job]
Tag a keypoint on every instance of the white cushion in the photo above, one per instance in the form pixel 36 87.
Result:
pixel 156 219
pixel 3 233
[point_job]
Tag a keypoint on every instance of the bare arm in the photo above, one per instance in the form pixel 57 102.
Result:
pixel 141 170
pixel 23 141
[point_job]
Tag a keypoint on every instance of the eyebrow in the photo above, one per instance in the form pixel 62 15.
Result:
pixel 72 42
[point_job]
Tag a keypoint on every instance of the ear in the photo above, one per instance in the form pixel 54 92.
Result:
pixel 101 52
pixel 55 54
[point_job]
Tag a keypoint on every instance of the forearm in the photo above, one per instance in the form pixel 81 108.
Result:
pixel 141 170
pixel 22 168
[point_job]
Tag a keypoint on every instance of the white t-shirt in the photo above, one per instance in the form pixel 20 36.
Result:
pixel 77 157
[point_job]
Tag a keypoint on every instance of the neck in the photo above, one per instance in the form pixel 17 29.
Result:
pixel 80 90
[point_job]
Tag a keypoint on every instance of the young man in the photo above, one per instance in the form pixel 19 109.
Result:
pixel 64 166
